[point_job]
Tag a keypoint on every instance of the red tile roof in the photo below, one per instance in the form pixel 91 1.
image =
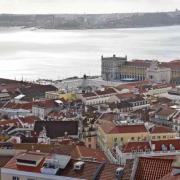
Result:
pixel 158 144
pixel 9 122
pixel 166 112
pixel 108 116
pixel 159 86
pixel 83 151
pixel 29 119
pixel 129 129
pixel 172 64
pixel 130 146
pixel 26 105
pixel 153 168
pixel 132 85
pixel 160 129
pixel 125 96
pixel 107 171
pixel 106 91
pixel 4 159
pixel 112 129
pixel 107 126
pixel 12 163
pixel 140 63
pixel 16 122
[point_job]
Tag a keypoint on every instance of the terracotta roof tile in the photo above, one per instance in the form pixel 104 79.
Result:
pixel 160 129
pixel 108 116
pixel 107 126
pixel 166 112
pixel 106 91
pixel 158 144
pixel 124 96
pixel 128 129
pixel 88 152
pixel 127 148
pixel 107 171
pixel 153 168
pixel 4 160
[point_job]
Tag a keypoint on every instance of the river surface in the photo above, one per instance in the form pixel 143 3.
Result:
pixel 57 54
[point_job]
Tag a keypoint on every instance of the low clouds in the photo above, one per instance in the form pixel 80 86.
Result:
pixel 86 6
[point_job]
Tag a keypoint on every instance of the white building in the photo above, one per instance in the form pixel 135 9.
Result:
pixel 158 75
pixel 97 97
pixel 110 67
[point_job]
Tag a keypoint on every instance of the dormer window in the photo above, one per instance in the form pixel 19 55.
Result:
pixel 15 178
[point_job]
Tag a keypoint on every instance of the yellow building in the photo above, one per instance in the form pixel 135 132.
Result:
pixel 134 70
pixel 110 135
pixel 162 133
pixel 59 95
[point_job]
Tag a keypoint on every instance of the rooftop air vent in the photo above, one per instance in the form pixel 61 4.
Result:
pixel 88 159
pixel 52 166
pixel 79 165
pixel 119 172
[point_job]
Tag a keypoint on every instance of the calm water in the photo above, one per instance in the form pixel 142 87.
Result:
pixel 55 54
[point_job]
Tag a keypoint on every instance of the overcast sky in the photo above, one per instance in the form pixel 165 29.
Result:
pixel 86 6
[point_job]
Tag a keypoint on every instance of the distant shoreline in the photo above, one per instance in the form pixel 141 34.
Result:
pixel 90 21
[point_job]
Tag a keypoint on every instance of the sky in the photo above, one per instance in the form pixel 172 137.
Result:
pixel 86 6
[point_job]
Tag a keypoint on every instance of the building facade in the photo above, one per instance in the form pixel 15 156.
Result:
pixel 110 67
pixel 158 75
pixel 118 68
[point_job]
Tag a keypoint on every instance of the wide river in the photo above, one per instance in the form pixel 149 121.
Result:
pixel 56 54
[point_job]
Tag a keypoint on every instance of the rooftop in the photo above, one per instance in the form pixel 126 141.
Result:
pixel 125 96
pixel 106 91
pixel 160 129
pixel 158 144
pixel 152 168
pixel 95 169
pixel 82 151
pixel 112 129
pixel 166 112
pixel 57 128
pixel 130 146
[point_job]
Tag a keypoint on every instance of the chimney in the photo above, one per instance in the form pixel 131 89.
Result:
pixel 114 55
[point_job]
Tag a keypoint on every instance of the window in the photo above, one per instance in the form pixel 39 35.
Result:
pixel 164 137
pixel 89 145
pixel 121 138
pixel 132 138
pixel 89 139
pixel 115 139
pixel 151 76
pixel 15 178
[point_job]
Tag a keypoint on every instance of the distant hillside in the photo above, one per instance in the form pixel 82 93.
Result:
pixel 91 21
